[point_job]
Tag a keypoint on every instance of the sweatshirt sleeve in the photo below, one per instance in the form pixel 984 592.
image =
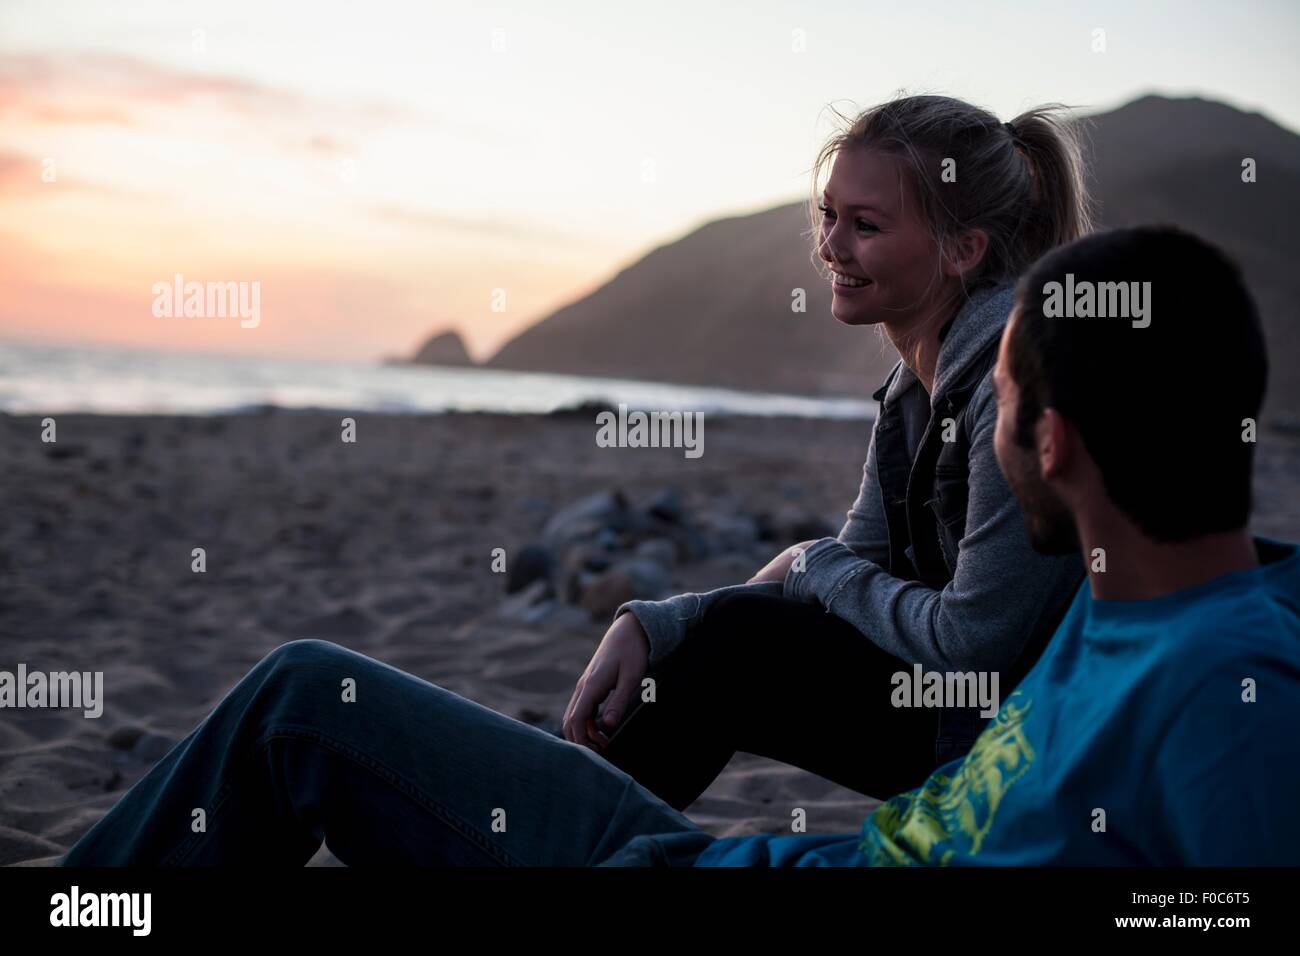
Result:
pixel 982 618
pixel 666 622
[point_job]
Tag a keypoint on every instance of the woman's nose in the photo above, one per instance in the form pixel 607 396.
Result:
pixel 827 247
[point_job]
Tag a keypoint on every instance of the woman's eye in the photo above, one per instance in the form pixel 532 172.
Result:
pixel 862 224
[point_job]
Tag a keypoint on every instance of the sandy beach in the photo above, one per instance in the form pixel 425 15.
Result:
pixel 384 545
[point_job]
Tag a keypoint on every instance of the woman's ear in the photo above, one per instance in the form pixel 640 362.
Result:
pixel 965 252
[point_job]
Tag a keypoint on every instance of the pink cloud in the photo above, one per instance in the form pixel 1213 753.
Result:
pixel 96 87
pixel 20 176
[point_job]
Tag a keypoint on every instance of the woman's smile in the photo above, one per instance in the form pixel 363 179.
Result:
pixel 844 284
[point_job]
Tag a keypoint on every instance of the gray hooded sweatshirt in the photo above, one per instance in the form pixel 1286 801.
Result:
pixel 983 617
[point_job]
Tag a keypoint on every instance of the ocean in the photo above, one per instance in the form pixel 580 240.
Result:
pixel 39 379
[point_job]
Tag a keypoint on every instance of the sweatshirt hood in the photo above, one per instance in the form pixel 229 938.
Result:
pixel 979 321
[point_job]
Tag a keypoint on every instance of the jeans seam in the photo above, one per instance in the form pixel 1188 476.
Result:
pixel 188 845
pixel 384 772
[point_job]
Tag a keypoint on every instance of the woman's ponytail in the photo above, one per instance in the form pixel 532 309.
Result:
pixel 1061 209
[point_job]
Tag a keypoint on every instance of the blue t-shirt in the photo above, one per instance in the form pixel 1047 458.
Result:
pixel 1162 732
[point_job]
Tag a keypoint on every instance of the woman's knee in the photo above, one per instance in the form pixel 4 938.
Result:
pixel 730 617
pixel 722 637
pixel 748 634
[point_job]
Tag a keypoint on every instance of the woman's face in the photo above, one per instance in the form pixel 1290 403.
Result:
pixel 872 229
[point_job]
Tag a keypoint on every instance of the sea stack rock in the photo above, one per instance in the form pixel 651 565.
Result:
pixel 445 348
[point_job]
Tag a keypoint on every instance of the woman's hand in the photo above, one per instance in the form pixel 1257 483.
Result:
pixel 779 567
pixel 615 672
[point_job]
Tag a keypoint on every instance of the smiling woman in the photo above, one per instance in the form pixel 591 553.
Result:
pixel 932 208
pixel 929 197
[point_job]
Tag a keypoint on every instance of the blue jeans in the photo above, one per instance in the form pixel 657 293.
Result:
pixel 407 773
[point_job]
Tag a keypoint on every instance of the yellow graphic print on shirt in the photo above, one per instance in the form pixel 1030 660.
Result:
pixel 953 815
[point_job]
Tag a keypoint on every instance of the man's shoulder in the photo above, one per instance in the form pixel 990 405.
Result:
pixel 1232 636
pixel 1252 615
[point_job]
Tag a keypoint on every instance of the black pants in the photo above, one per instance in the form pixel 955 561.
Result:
pixel 782 679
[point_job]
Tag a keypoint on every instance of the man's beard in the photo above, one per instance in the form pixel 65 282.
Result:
pixel 1048 521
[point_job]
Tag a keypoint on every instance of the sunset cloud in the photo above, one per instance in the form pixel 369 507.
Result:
pixel 273 185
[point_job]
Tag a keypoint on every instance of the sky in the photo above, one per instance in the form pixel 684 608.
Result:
pixel 385 170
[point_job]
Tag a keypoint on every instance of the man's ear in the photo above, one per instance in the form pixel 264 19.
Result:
pixel 965 252
pixel 1053 436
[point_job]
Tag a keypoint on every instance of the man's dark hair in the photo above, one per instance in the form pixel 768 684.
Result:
pixel 1160 408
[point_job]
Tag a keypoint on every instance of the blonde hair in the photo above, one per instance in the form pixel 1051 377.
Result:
pixel 1022 183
